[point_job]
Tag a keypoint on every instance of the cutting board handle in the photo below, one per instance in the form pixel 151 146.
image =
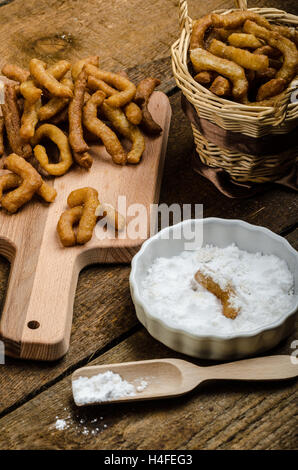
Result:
pixel 37 314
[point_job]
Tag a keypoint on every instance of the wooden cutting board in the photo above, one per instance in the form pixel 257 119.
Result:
pixel 37 315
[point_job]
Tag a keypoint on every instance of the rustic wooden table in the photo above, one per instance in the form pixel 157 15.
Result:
pixel 136 35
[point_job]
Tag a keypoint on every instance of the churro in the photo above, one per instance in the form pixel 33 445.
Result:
pixel 144 90
pixel 65 225
pixel 1 135
pixel 16 73
pixel 199 29
pixel 55 104
pixel 271 88
pixel 288 69
pixel 97 127
pixel 13 123
pixel 237 18
pixel 221 86
pixel 132 110
pixel 243 40
pixel 119 121
pixel 88 198
pixel 12 181
pixel 204 60
pixel 205 77
pixel 60 139
pixel 47 80
pixel 29 119
pixel 75 112
pixel 31 182
pixel 126 89
pixel 224 295
pixel 241 57
pixel 77 67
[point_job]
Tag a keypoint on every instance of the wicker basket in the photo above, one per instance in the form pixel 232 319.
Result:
pixel 251 122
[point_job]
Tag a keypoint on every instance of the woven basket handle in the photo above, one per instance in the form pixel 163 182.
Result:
pixel 241 4
pixel 184 19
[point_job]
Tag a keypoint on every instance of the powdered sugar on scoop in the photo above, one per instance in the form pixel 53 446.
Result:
pixel 103 387
pixel 263 287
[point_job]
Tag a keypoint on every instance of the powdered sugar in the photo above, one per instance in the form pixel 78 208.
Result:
pixel 104 387
pixel 61 424
pixel 263 288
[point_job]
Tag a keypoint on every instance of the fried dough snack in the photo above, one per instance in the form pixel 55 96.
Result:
pixel 119 121
pixel 241 57
pixel 55 104
pixel 59 118
pixel 1 135
pixel 29 119
pixel 60 139
pixel 83 159
pixel 9 181
pixel 30 90
pixel 31 182
pixel 126 87
pixel 47 80
pixel 113 217
pixel 75 112
pixel 267 74
pixel 223 295
pixel 244 40
pixel 12 181
pixel 13 123
pixel 269 51
pixel 16 73
pixel 225 33
pixel 288 32
pixel 132 110
pixel 271 88
pixel 204 60
pixel 97 127
pixel 65 225
pixel 199 29
pixel 237 18
pixel 88 198
pixel 221 86
pixel 78 66
pixel 144 90
pixel 288 69
pixel 205 77
pixel 133 113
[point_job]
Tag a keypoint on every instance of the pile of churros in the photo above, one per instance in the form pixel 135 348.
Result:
pixel 70 105
pixel 242 57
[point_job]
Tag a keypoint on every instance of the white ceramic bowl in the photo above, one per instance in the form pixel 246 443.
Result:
pixel 218 232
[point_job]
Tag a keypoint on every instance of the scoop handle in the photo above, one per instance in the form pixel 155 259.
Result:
pixel 260 368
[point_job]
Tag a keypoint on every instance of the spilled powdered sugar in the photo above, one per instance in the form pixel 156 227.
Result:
pixel 104 387
pixel 263 287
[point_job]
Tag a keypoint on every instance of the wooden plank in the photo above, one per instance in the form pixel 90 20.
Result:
pixel 101 313
pixel 123 33
pixel 118 32
pixel 225 415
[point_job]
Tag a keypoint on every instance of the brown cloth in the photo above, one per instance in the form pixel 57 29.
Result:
pixel 267 145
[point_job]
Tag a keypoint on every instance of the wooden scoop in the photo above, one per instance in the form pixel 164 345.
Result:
pixel 174 377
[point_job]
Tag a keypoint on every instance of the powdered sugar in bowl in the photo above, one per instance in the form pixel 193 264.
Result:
pixel 255 268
